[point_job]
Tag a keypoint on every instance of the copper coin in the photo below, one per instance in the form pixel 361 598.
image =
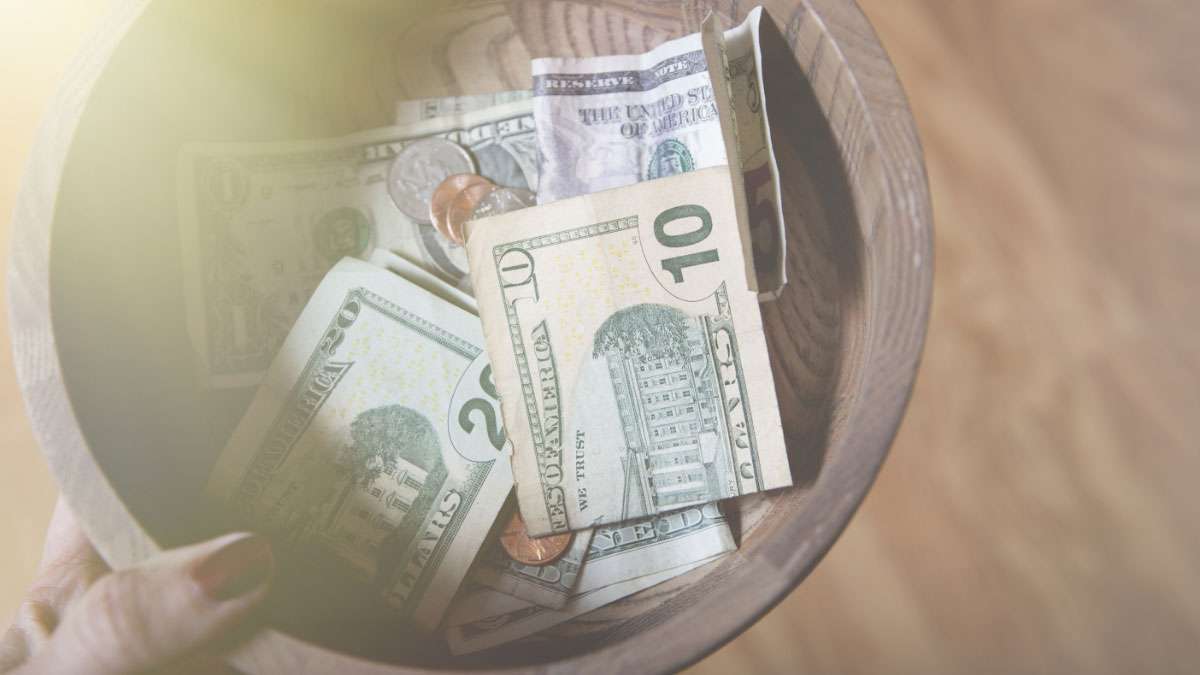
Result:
pixel 444 195
pixel 462 209
pixel 525 549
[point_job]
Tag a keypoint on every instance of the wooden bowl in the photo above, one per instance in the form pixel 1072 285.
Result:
pixel 96 293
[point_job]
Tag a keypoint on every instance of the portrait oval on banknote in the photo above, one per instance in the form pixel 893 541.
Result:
pixel 343 232
pixel 670 157
pixel 227 184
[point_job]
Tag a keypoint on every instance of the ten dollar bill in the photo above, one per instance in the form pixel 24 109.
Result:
pixel 628 352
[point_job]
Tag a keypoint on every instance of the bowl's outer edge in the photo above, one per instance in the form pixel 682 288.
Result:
pixel 900 227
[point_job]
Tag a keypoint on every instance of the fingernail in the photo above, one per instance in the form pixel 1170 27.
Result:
pixel 235 569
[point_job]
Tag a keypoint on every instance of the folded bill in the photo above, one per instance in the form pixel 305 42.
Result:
pixel 374 445
pixel 261 224
pixel 621 561
pixel 547 586
pixel 628 352
pixel 608 121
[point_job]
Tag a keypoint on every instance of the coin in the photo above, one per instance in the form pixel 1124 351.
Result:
pixel 500 200
pixel 537 552
pixel 444 195
pixel 503 201
pixel 419 168
pixel 462 209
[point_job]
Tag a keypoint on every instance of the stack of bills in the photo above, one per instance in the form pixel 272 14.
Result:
pixel 489 416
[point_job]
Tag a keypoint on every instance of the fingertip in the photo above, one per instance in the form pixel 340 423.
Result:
pixel 241 565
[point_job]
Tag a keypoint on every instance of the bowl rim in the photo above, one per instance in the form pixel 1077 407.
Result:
pixel 834 44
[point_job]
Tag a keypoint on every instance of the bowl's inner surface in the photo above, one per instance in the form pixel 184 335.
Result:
pixel 226 70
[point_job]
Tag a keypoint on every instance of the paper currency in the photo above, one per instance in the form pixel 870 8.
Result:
pixel 374 444
pixel 420 109
pixel 609 121
pixel 621 561
pixel 628 352
pixel 261 224
pixel 410 271
pixel 548 586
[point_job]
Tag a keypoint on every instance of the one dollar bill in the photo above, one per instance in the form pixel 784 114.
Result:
pixel 621 561
pixel 373 447
pixel 417 110
pixel 261 224
pixel 609 121
pixel 416 274
pixel 629 353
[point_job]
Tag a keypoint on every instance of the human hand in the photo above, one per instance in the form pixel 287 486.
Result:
pixel 167 613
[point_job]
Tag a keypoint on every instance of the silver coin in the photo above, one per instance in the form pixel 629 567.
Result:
pixel 504 200
pixel 501 200
pixel 419 169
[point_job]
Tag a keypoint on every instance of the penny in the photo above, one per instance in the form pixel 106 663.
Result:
pixel 501 200
pixel 444 195
pixel 462 209
pixel 525 549
pixel 418 170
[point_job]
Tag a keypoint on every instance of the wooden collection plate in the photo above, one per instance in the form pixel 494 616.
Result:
pixel 106 366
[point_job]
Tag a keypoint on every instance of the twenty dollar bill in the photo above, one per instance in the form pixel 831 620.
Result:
pixel 629 353
pixel 373 446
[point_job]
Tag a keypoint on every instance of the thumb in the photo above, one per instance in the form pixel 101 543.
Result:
pixel 169 606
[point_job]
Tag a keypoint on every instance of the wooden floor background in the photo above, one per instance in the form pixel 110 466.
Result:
pixel 1039 512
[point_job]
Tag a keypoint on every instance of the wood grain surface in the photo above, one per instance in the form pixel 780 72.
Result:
pixel 38 40
pixel 1036 514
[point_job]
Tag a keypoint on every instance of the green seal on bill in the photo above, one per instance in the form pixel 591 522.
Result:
pixel 342 232
pixel 671 157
